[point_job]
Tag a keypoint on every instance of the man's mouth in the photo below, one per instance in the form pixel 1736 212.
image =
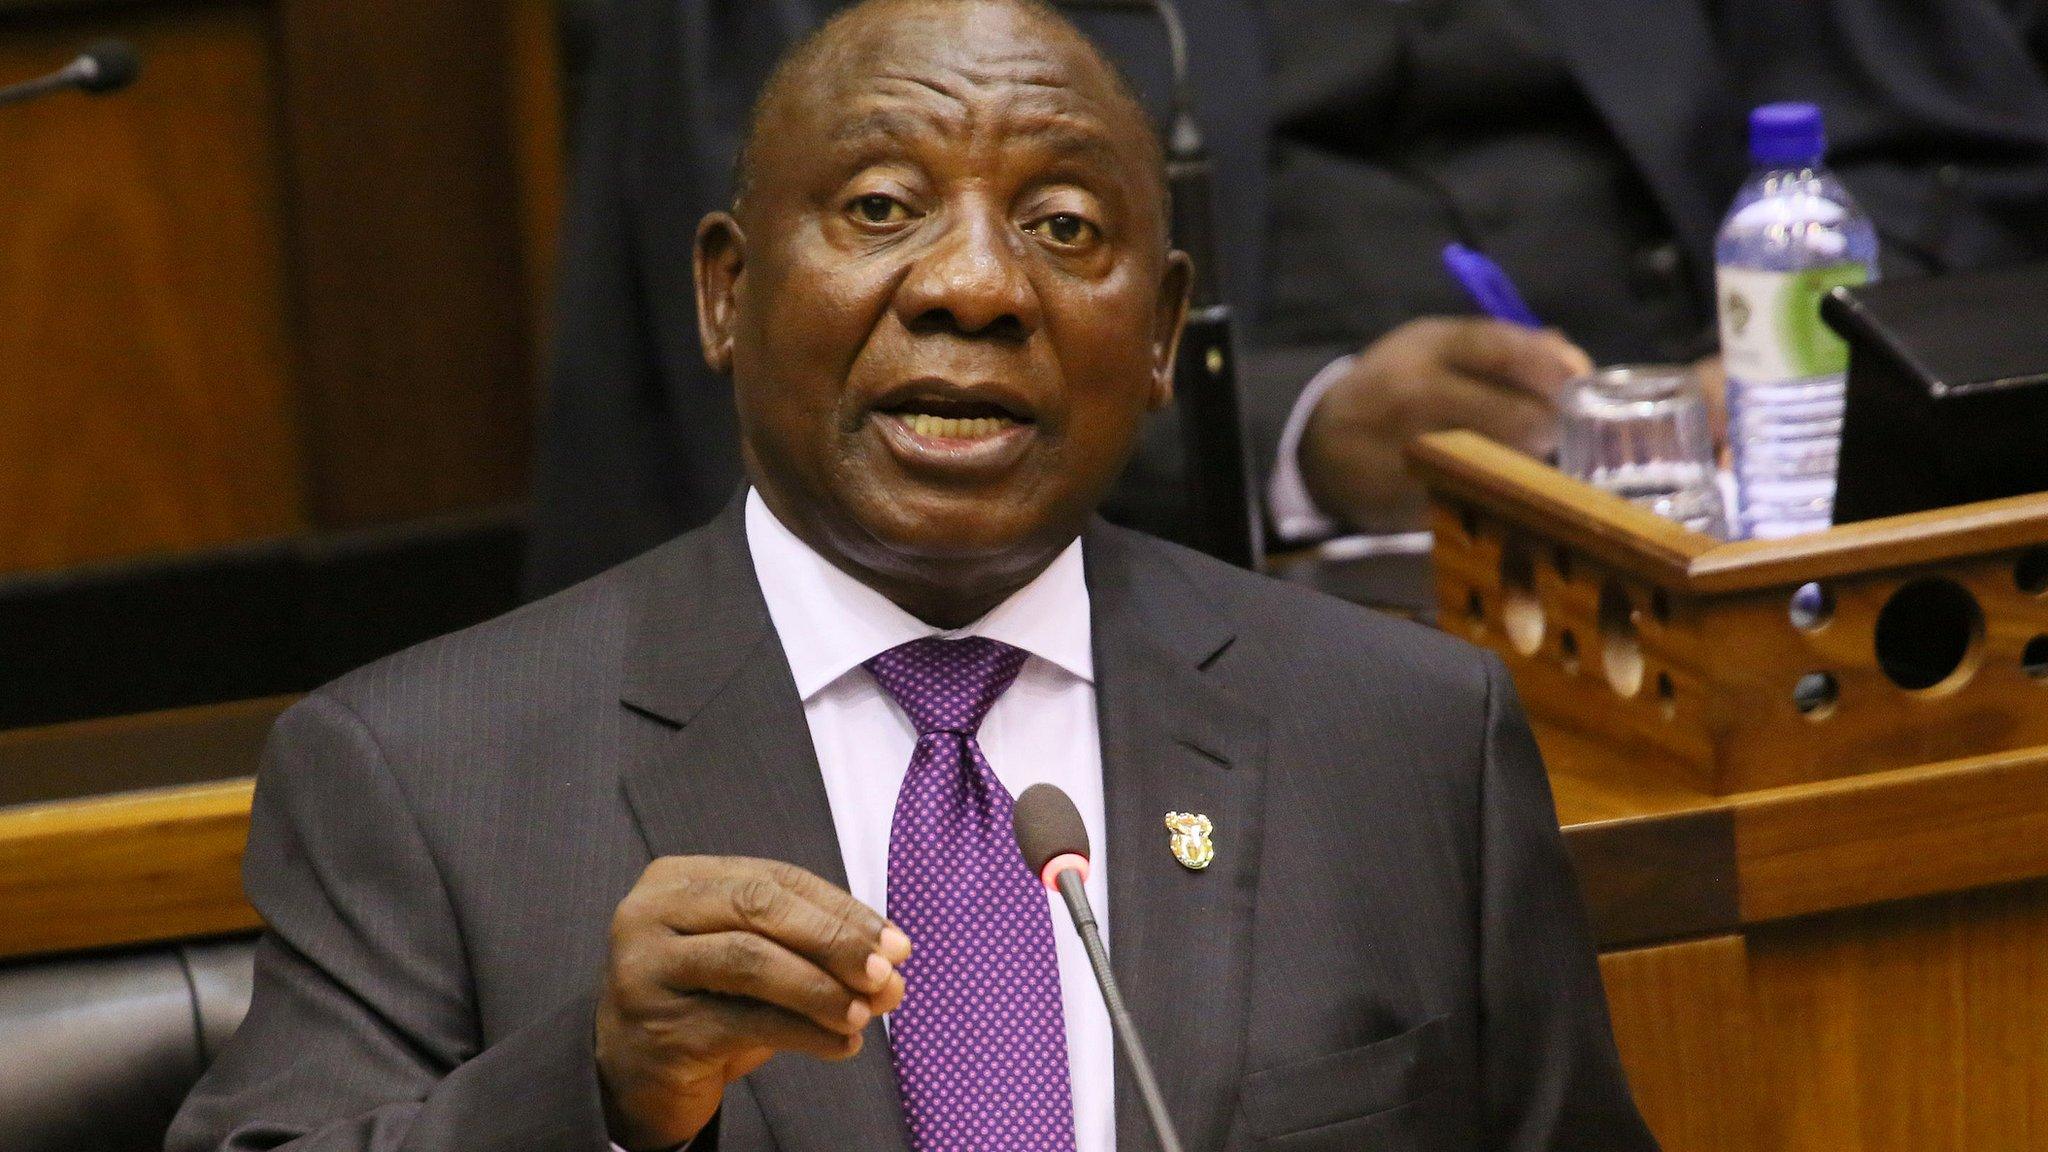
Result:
pixel 948 428
pixel 946 419
pixel 954 431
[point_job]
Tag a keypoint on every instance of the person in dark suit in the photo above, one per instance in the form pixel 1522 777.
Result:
pixel 1589 145
pixel 617 866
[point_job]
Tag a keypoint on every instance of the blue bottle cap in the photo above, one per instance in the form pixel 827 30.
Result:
pixel 1786 135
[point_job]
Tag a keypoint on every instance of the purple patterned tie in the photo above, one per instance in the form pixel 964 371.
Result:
pixel 980 1042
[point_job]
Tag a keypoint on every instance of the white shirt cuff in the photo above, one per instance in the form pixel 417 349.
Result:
pixel 1295 515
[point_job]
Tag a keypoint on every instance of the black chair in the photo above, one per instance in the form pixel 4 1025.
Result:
pixel 97 1051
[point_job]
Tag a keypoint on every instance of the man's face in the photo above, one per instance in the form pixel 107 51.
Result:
pixel 947 305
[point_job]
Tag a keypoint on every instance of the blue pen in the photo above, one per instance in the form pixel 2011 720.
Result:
pixel 1488 285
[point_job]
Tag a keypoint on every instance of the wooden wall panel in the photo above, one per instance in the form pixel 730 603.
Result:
pixel 145 404
pixel 294 278
pixel 415 351
pixel 1919 1026
pixel 1681 1016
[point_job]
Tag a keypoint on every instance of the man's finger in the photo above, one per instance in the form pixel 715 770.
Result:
pixel 1498 412
pixel 890 997
pixel 1539 363
pixel 837 901
pixel 742 964
pixel 725 1024
pixel 770 899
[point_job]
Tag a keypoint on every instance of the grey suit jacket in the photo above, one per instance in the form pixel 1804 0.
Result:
pixel 1388 951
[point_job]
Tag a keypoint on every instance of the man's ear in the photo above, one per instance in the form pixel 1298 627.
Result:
pixel 1170 316
pixel 720 258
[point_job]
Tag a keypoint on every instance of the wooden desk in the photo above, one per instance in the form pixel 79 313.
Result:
pixel 124 869
pixel 159 862
pixel 1854 965
pixel 1806 782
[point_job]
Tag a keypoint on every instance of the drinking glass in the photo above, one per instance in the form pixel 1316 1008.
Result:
pixel 1642 432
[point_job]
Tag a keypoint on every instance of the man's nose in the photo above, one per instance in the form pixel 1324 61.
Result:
pixel 972 281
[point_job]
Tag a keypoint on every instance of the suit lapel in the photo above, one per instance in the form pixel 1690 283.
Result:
pixel 1655 73
pixel 1174 740
pixel 738 776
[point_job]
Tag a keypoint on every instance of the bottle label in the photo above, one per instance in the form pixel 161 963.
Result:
pixel 1770 322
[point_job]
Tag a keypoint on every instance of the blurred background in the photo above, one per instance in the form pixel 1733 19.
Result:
pixel 274 321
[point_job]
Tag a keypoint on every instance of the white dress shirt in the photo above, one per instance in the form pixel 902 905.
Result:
pixel 1043 729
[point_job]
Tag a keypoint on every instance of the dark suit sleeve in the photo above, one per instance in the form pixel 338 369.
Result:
pixel 363 1031
pixel 1552 1077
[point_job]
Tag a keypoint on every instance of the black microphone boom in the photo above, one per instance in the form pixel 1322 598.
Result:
pixel 1052 837
pixel 107 66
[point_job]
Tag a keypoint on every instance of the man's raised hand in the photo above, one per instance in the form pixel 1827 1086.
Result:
pixel 718 963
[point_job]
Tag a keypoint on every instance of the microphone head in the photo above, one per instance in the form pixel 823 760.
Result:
pixel 1050 832
pixel 108 66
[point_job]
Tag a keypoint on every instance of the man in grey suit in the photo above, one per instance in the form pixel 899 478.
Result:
pixel 712 849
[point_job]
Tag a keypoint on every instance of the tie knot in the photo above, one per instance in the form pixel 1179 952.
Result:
pixel 947 685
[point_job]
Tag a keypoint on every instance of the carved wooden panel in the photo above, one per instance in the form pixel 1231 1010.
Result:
pixel 1757 664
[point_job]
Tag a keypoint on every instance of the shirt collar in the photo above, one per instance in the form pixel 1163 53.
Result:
pixel 831 623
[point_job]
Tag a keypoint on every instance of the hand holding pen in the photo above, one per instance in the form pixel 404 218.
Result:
pixel 1500 375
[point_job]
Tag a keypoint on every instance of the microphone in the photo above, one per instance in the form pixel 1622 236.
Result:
pixel 1055 845
pixel 106 66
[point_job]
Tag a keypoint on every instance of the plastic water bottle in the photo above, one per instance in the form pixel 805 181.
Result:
pixel 1793 234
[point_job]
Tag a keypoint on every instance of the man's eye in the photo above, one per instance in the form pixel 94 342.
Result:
pixel 1064 229
pixel 876 208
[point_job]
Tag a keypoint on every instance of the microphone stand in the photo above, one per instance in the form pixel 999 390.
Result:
pixel 1226 514
pixel 65 77
pixel 1076 897
pixel 106 66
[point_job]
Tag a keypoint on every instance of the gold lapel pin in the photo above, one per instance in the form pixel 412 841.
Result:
pixel 1191 844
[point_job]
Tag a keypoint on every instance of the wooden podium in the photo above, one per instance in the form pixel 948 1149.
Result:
pixel 1806 786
